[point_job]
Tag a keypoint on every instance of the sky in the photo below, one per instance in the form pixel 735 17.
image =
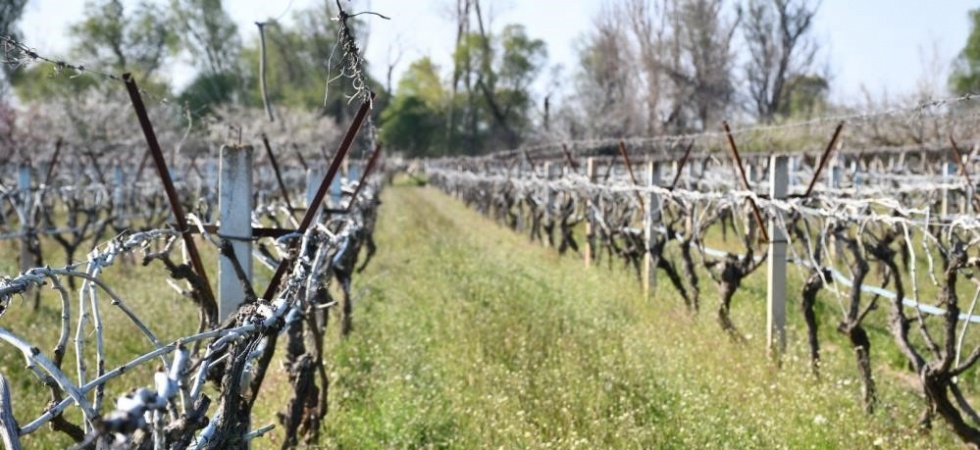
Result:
pixel 885 46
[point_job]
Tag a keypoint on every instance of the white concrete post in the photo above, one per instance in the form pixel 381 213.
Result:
pixel 26 216
pixel 210 172
pixel 335 191
pixel 855 173
pixel 118 195
pixel 776 302
pixel 235 223
pixel 835 173
pixel 650 221
pixel 354 174
pixel 314 176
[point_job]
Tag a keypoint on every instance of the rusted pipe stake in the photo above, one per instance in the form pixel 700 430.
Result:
pixel 959 160
pixel 367 171
pixel 301 159
pixel 745 182
pixel 824 158
pixel 629 168
pixel 568 156
pixel 311 211
pixel 530 161
pixel 963 169
pixel 54 162
pixel 143 160
pixel 680 166
pixel 208 302
pixel 275 169
pixel 609 169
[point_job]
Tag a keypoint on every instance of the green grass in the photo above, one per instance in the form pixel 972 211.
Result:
pixel 467 336
pixel 143 289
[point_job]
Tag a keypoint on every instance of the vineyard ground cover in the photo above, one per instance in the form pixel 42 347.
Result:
pixel 470 337
pixel 143 289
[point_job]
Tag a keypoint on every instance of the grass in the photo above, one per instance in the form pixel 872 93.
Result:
pixel 467 336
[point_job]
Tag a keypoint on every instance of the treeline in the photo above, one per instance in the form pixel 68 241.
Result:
pixel 645 68
pixel 147 38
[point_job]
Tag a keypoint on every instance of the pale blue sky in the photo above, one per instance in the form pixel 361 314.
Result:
pixel 882 44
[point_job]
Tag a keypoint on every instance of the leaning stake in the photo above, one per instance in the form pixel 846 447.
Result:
pixel 275 169
pixel 823 159
pixel 321 192
pixel 764 234
pixel 208 303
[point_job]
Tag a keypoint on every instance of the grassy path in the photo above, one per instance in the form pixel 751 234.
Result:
pixel 466 336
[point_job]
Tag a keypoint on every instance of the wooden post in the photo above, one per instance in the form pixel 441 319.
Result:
pixel 650 219
pixel 589 231
pixel 235 216
pixel 26 216
pixel 776 304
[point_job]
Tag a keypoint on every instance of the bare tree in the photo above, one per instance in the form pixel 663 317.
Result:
pixel 780 51
pixel 208 33
pixel 607 84
pixel 701 62
pixel 649 26
pixel 459 70
pixel 655 67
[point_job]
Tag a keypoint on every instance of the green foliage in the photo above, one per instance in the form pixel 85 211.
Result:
pixel 136 42
pixel 299 63
pixel 504 345
pixel 496 72
pixel 492 110
pixel 111 40
pixel 10 13
pixel 965 78
pixel 208 91
pixel 43 81
pixel 208 33
pixel 805 95
pixel 415 121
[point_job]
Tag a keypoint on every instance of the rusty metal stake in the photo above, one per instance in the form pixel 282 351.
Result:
pixel 764 234
pixel 367 171
pixel 966 173
pixel 207 301
pixel 321 192
pixel 959 160
pixel 530 161
pixel 299 156
pixel 824 158
pixel 54 162
pixel 568 156
pixel 680 166
pixel 275 169
pixel 629 168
